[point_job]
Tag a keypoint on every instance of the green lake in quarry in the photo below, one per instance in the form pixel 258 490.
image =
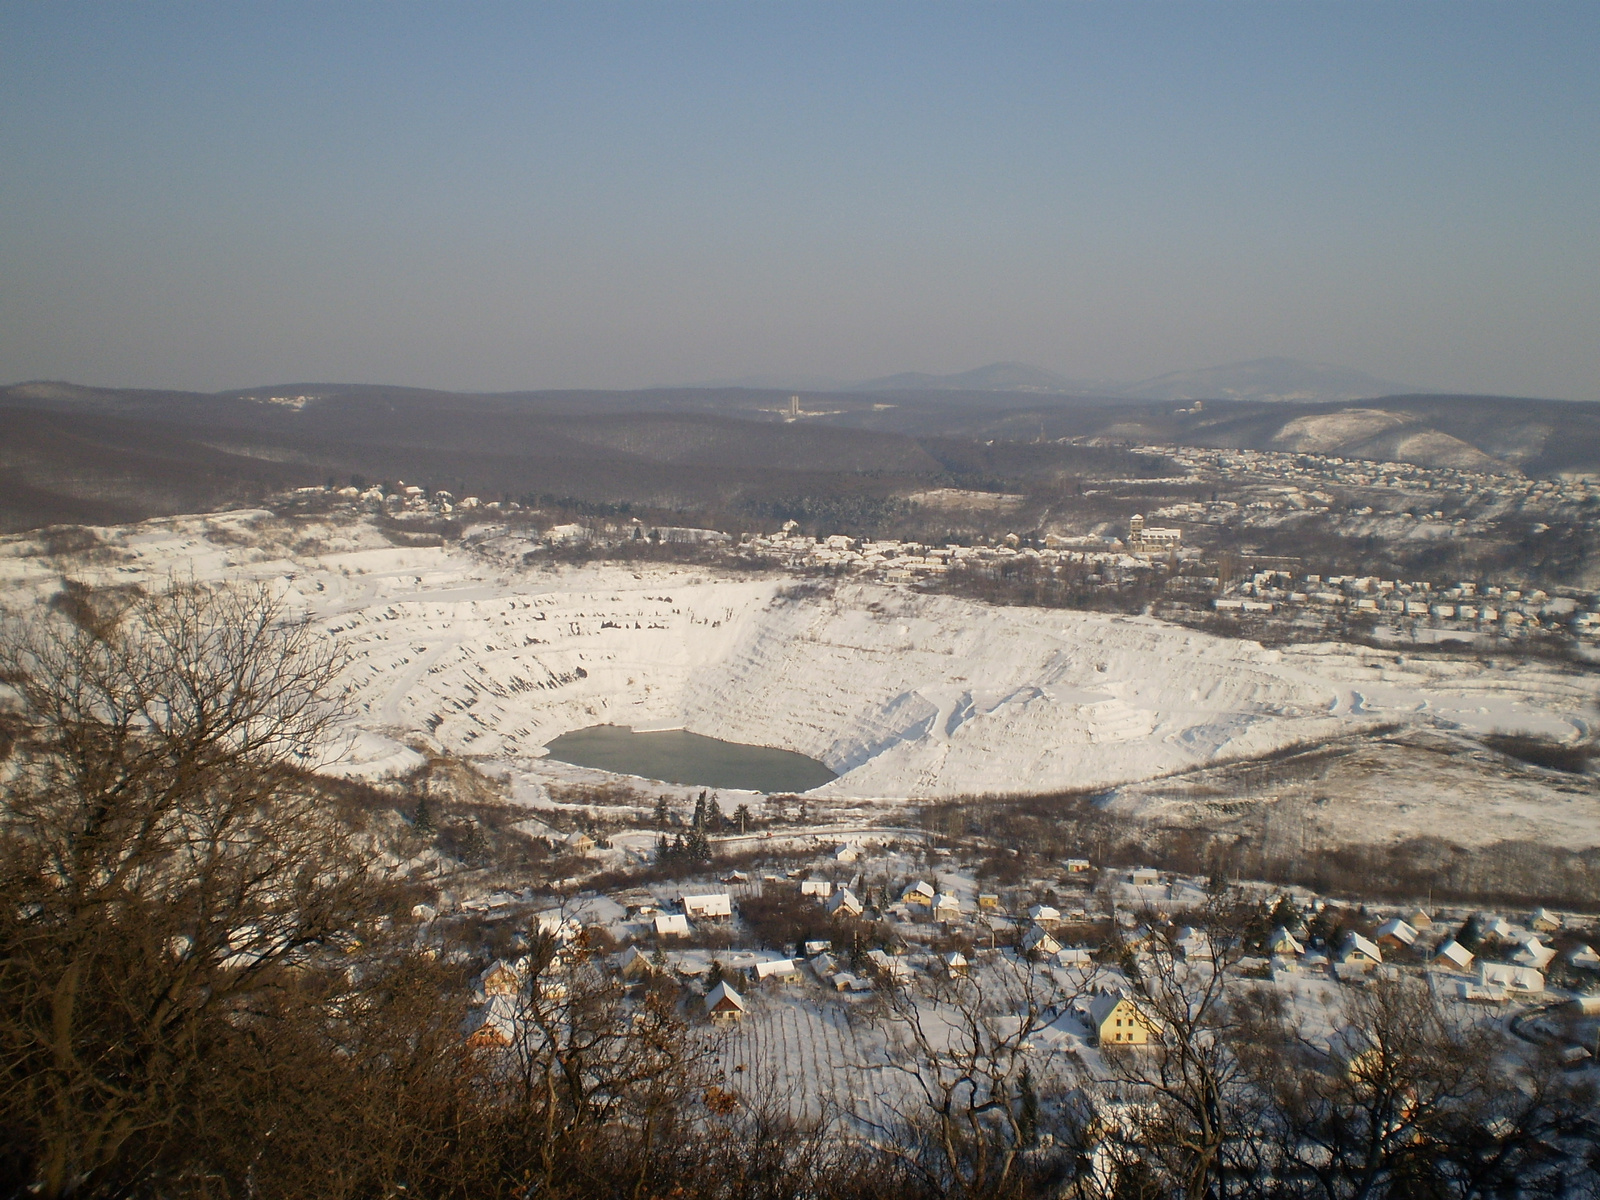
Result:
pixel 677 756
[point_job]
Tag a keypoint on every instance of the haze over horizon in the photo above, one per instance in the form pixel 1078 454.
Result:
pixel 513 197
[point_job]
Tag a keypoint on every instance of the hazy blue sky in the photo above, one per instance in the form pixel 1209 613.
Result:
pixel 486 196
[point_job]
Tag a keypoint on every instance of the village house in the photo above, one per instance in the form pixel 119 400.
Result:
pixel 494 1025
pixel 1117 1021
pixel 1510 977
pixel 723 1004
pixel 816 887
pixel 578 842
pixel 946 907
pixel 844 902
pixel 637 967
pixel 1454 954
pixel 1535 954
pixel 1044 915
pixel 1359 950
pixel 500 979
pixel 956 965
pixel 1038 941
pixel 779 970
pixel 896 970
pixel 1395 934
pixel 918 893
pixel 1284 943
pixel 1076 866
pixel 1144 876
pixel 671 925
pixel 1584 958
pixel 712 906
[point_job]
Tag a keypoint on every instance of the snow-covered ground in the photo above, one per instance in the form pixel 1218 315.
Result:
pixel 904 695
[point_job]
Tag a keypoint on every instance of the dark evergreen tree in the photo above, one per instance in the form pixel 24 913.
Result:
pixel 422 819
pixel 1028 1109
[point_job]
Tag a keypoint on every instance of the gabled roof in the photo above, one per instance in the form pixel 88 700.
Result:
pixel 1283 942
pixel 1398 929
pixel 723 998
pixel 1584 956
pixel 1103 1005
pixel 846 899
pixel 1455 953
pixel 1356 946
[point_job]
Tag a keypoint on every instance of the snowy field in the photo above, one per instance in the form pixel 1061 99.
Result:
pixel 904 695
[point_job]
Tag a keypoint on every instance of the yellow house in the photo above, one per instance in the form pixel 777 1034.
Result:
pixel 1117 1021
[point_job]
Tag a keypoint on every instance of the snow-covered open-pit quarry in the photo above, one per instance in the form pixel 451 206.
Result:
pixel 903 695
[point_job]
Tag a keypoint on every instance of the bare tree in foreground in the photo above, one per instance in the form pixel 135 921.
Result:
pixel 162 862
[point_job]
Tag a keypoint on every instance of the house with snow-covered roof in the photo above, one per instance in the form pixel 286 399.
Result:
pixel 1454 954
pixel 1535 954
pixel 709 906
pixel 843 903
pixel 1357 949
pixel 1584 958
pixel 1396 934
pixel 493 1025
pixel 671 925
pixel 1038 940
pixel 779 970
pixel 725 1004
pixel 1284 943
pixel 500 979
pixel 1511 977
pixel 919 892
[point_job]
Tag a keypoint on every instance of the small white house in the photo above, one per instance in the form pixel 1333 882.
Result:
pixel 955 964
pixel 782 970
pixel 1454 954
pixel 1584 958
pixel 1535 954
pixel 1044 914
pixel 671 925
pixel 946 907
pixel 708 907
pixel 816 887
pixel 1510 977
pixel 1144 876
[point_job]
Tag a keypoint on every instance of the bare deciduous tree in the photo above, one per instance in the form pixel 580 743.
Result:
pixel 161 860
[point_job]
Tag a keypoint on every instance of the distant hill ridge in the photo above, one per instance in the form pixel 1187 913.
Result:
pixel 103 456
pixel 1266 379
